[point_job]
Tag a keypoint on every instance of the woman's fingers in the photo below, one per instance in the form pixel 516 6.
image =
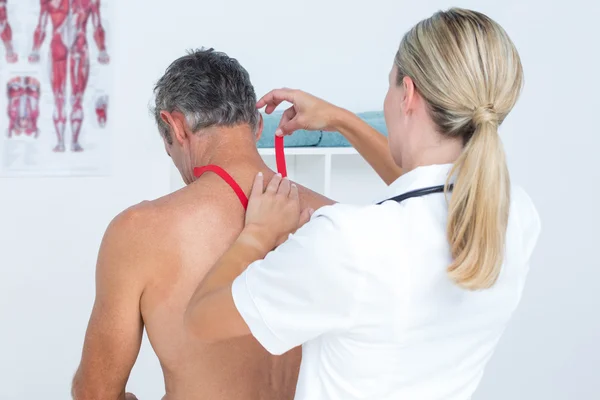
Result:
pixel 274 98
pixel 273 186
pixel 290 127
pixel 294 192
pixel 306 213
pixel 257 186
pixel 278 185
pixel 305 216
pixel 275 212
pixel 307 111
pixel 284 188
pixel 286 118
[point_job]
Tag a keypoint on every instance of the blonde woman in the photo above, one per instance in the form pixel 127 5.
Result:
pixel 406 299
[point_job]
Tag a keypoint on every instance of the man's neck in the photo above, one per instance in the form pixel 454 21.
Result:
pixel 232 149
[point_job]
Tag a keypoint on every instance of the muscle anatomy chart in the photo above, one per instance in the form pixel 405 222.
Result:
pixel 6 34
pixel 23 101
pixel 58 79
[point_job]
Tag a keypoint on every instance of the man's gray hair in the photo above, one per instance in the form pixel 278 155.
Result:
pixel 210 89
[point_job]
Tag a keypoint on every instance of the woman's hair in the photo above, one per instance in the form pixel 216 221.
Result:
pixel 468 71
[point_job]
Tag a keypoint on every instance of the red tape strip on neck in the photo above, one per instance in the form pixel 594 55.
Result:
pixel 281 168
pixel 227 178
pixel 280 156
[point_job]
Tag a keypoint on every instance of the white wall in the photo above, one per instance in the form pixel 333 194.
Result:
pixel 50 229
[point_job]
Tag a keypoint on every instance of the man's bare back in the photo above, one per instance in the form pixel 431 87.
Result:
pixel 187 231
pixel 155 254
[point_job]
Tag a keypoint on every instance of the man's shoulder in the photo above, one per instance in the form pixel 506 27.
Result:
pixel 137 241
pixel 139 226
pixel 130 229
pixel 135 218
pixel 162 216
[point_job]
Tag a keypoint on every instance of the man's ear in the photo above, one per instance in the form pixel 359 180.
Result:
pixel 176 120
pixel 260 127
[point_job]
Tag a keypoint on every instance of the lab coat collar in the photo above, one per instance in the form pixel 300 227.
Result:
pixel 420 178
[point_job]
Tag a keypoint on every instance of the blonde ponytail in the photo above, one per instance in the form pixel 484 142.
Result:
pixel 468 71
pixel 479 205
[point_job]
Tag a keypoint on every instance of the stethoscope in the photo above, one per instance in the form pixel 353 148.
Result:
pixel 418 193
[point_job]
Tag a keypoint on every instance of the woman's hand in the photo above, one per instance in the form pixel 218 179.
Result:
pixel 273 214
pixel 307 111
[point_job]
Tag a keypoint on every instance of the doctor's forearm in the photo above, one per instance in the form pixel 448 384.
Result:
pixel 371 144
pixel 248 248
pixel 206 305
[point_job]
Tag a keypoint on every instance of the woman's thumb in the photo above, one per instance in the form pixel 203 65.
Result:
pixel 288 128
pixel 305 216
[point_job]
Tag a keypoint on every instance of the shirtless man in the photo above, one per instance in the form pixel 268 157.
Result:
pixel 154 254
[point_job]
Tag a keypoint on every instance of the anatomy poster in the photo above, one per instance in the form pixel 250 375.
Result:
pixel 55 87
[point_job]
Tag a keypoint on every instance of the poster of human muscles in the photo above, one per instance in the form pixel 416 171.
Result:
pixel 55 87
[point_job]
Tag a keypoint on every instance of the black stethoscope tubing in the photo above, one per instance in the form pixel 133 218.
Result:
pixel 418 193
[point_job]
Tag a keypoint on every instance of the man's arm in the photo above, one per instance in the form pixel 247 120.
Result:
pixel 114 333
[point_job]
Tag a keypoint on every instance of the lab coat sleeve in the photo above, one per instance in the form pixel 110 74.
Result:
pixel 303 289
